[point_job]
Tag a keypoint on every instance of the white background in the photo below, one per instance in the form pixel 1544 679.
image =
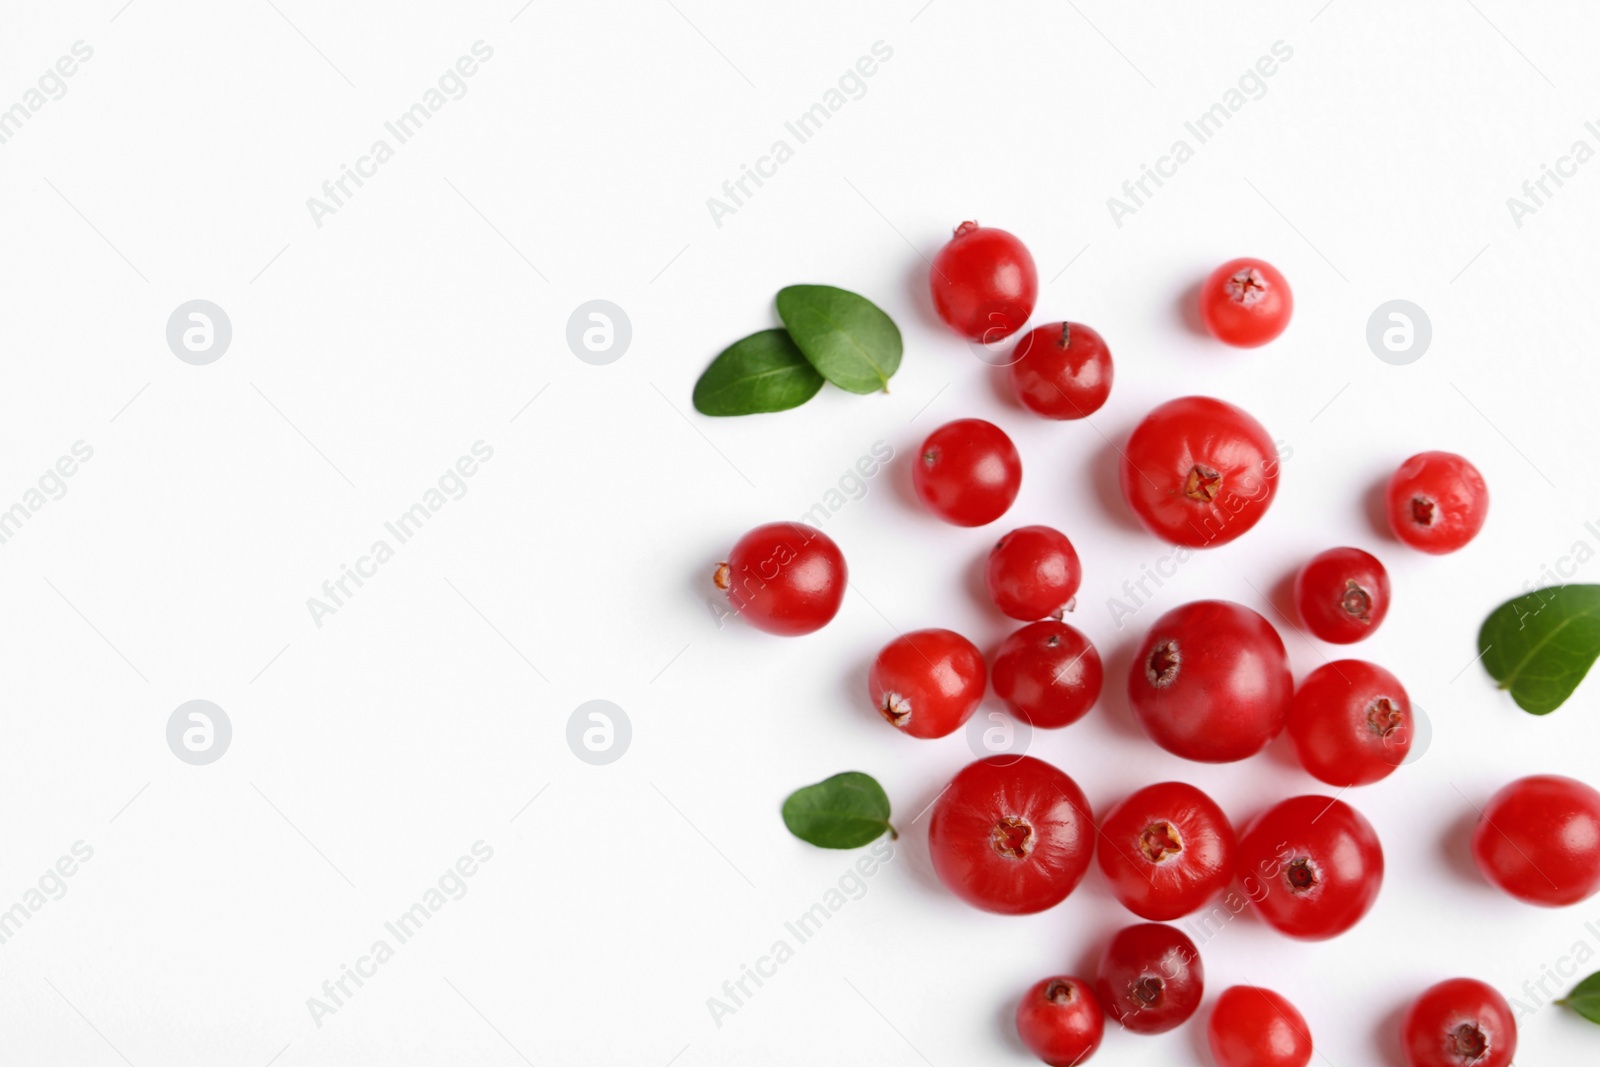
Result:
pixel 368 354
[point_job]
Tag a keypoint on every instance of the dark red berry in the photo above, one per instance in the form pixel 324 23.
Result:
pixel 785 578
pixel 1539 840
pixel 927 683
pixel 1033 573
pixel 1254 1027
pixel 1151 979
pixel 1199 472
pixel 1342 594
pixel 1351 723
pixel 1211 682
pixel 1011 834
pixel 1048 674
pixel 1312 866
pixel 1060 1021
pixel 1062 371
pixel 1459 1023
pixel 968 472
pixel 1166 850
pixel 1246 303
pixel 984 283
pixel 1437 502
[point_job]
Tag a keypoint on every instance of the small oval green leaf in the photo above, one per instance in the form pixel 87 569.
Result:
pixel 846 811
pixel 1539 646
pixel 1585 998
pixel 762 372
pixel 848 338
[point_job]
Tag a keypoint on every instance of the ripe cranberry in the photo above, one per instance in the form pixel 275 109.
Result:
pixel 1199 472
pixel 1254 1027
pixel 968 472
pixel 1342 594
pixel 1166 850
pixel 1460 1023
pixel 984 283
pixel 1011 834
pixel 1062 371
pixel 1211 682
pixel 1539 840
pixel 1151 979
pixel 1246 303
pixel 1060 1021
pixel 1437 502
pixel 1048 674
pixel 785 578
pixel 927 682
pixel 1312 866
pixel 1351 723
pixel 1033 573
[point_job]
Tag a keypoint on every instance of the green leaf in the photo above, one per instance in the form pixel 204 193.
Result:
pixel 846 811
pixel 846 337
pixel 1585 998
pixel 1540 646
pixel 762 372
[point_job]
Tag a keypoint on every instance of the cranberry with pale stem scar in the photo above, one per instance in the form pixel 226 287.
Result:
pixel 1437 502
pixel 927 683
pixel 1351 723
pixel 1060 1021
pixel 1166 850
pixel 1312 866
pixel 1342 594
pixel 1011 834
pixel 1246 303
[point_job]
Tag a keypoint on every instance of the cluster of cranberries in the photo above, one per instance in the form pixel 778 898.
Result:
pixel 1210 682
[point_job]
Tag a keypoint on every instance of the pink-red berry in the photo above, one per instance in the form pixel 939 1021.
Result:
pixel 1166 850
pixel 1060 1021
pixel 1033 573
pixel 1460 1022
pixel 785 578
pixel 1061 371
pixel 1312 866
pixel 927 683
pixel 1351 723
pixel 1539 840
pixel 1437 502
pixel 1342 595
pixel 1048 674
pixel 1151 979
pixel 968 472
pixel 984 283
pixel 1246 302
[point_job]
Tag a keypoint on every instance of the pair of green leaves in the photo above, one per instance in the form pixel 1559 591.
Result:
pixel 846 811
pixel 1540 646
pixel 828 334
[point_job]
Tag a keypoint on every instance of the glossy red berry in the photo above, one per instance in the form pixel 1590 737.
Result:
pixel 1437 502
pixel 1351 723
pixel 785 578
pixel 984 283
pixel 1011 834
pixel 1048 674
pixel 1211 682
pixel 1539 840
pixel 1342 595
pixel 1033 573
pixel 1151 979
pixel 1061 371
pixel 1312 866
pixel 1254 1027
pixel 1060 1021
pixel 1166 850
pixel 927 683
pixel 1459 1023
pixel 1199 472
pixel 968 472
pixel 1246 303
